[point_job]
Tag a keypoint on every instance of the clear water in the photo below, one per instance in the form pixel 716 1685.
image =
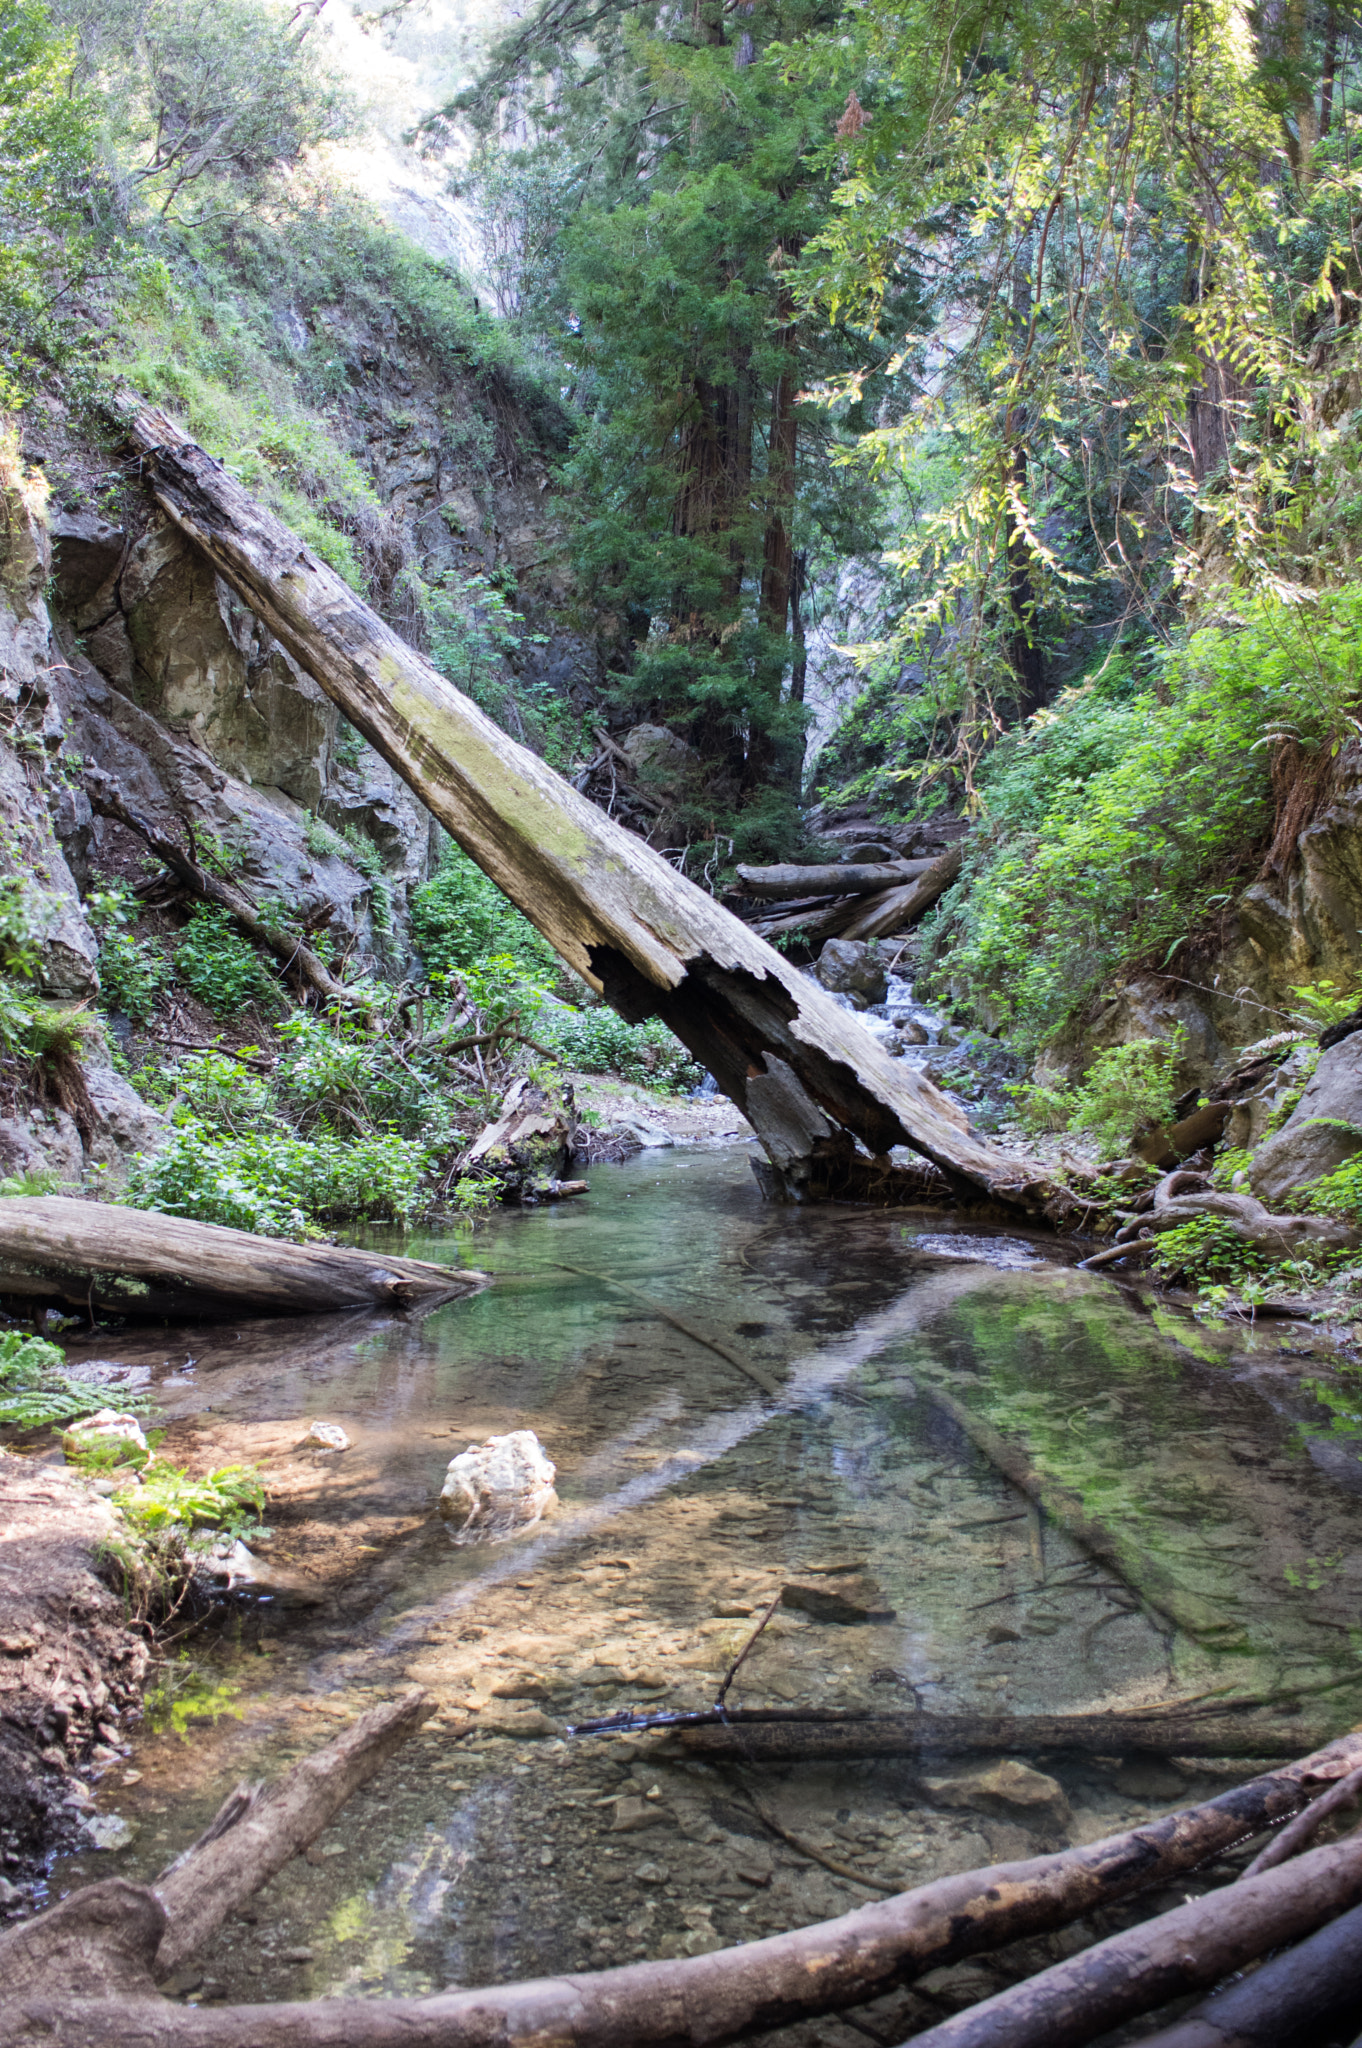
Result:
pixel 688 1497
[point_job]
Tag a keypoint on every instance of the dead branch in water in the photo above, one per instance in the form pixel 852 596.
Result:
pixel 82 1973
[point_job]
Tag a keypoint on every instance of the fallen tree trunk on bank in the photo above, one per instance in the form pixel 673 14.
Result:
pixel 809 1078
pixel 787 882
pixel 132 1262
pixel 898 908
pixel 84 1972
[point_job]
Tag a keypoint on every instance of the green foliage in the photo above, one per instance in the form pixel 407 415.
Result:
pixel 1339 1193
pixel 276 1184
pixel 1115 825
pixel 166 1500
pixel 48 176
pixel 598 1042
pixel 36 1390
pixel 1323 1003
pixel 1126 1089
pixel 133 973
pixel 460 918
pixel 222 968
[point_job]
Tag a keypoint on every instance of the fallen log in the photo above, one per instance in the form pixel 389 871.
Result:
pixel 707 1999
pixel 1290 2002
pixel 116 1937
pixel 900 907
pixel 810 1079
pixel 132 1262
pixel 1185 1950
pixel 1291 1839
pixel 783 1735
pixel 774 884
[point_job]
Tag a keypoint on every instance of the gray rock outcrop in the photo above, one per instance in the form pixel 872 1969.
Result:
pixel 852 967
pixel 1311 1142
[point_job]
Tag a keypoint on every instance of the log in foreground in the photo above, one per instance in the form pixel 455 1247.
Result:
pixel 706 1999
pixel 1185 1950
pixel 810 1078
pixel 135 1263
pixel 1289 2003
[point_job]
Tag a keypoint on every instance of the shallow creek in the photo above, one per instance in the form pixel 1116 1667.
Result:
pixel 688 1497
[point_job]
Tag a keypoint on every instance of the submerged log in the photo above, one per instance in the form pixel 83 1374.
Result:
pixel 784 1735
pixel 708 1999
pixel 137 1263
pixel 847 878
pixel 810 1079
pixel 1186 1950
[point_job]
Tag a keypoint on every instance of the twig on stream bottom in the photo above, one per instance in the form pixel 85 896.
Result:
pixel 667 1315
pixel 806 1849
pixel 745 1652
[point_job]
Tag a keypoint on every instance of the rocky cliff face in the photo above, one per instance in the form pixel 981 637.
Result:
pixel 123 655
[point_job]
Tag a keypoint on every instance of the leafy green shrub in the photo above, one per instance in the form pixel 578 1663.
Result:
pixel 276 1184
pixel 226 1093
pixel 133 974
pixel 228 1501
pixel 1127 1088
pixel 460 918
pixel 36 1390
pixel 599 1042
pixel 1118 822
pixel 220 967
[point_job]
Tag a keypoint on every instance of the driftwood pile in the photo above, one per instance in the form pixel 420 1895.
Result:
pixel 90 1969
pixel 846 900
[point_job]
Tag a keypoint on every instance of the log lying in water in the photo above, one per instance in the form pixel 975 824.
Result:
pixel 1288 2003
pixel 810 1079
pixel 722 1996
pixel 785 1735
pixel 136 1263
pixel 897 908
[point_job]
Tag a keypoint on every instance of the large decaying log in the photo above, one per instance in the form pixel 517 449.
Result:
pixel 897 908
pixel 96 1256
pixel 1185 1950
pixel 809 1078
pixel 707 1999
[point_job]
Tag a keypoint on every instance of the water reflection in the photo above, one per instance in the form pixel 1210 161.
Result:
pixel 897 1343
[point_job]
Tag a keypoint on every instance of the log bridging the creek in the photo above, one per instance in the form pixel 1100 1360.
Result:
pixel 132 1263
pixel 811 1080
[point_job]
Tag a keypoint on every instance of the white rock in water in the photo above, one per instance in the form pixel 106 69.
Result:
pixel 107 1427
pixel 495 1488
pixel 110 1831
pixel 325 1436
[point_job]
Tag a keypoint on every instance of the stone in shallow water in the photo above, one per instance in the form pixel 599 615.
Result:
pixel 494 1488
pixel 325 1436
pixel 844 1600
pixel 1010 1789
pixel 107 1428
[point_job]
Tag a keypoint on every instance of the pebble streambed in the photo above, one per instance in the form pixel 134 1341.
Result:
pixel 688 1498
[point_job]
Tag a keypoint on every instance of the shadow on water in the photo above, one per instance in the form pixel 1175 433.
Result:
pixel 688 1498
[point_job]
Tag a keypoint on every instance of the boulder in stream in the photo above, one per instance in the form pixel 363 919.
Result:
pixel 495 1488
pixel 852 967
pixel 107 1429
pixel 1008 1789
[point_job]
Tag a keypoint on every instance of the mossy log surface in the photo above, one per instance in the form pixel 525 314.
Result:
pixel 135 1263
pixel 807 1075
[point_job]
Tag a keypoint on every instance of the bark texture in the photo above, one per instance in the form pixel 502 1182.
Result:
pixel 707 1999
pixel 136 1263
pixel 808 1077
pixel 1185 1950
